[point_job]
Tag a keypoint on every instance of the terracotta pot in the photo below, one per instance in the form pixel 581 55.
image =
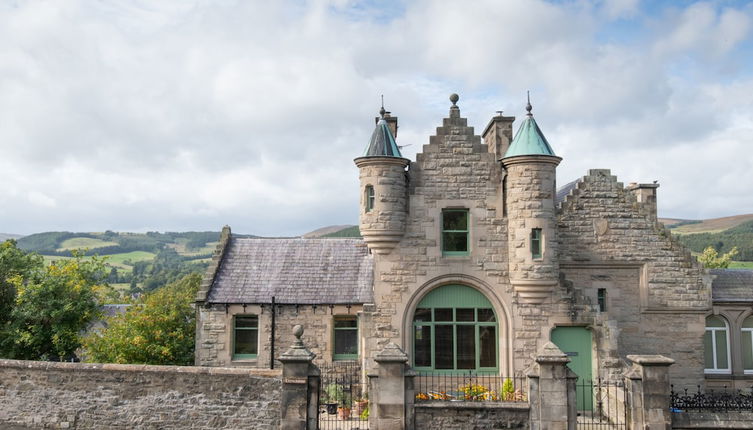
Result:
pixel 343 413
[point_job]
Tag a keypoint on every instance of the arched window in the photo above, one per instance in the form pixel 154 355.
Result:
pixel 716 345
pixel 747 344
pixel 369 198
pixel 455 328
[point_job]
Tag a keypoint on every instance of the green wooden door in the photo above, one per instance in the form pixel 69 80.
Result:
pixel 576 343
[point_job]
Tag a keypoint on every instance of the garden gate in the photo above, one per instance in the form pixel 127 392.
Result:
pixel 343 397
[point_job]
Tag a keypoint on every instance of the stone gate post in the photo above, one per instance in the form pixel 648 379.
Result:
pixel 551 390
pixel 300 386
pixel 648 390
pixel 391 391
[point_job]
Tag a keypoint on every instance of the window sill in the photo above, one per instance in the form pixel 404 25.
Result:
pixel 719 374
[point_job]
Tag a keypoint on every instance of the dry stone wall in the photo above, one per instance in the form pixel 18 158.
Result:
pixel 95 396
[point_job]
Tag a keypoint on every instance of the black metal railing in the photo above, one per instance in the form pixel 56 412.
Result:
pixel 602 404
pixel 343 397
pixel 469 386
pixel 713 400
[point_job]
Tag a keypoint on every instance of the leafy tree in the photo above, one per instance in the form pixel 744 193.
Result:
pixel 711 259
pixel 52 307
pixel 158 329
pixel 16 266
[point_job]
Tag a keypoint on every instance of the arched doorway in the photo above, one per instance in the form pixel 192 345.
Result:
pixel 455 328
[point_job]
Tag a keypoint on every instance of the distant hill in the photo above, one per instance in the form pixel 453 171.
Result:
pixel 714 225
pixel 713 233
pixel 6 236
pixel 326 231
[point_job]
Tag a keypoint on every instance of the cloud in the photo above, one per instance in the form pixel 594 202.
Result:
pixel 190 115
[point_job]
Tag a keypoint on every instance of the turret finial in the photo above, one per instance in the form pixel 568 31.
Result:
pixel 454 99
pixel 382 111
pixel 528 105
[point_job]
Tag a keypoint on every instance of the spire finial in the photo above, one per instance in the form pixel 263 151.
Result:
pixel 528 105
pixel 382 111
pixel 454 99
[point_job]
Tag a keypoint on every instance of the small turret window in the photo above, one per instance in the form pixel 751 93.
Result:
pixel 455 232
pixel 536 243
pixel 369 198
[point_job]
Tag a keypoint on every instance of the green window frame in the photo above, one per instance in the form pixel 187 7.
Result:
pixel 345 338
pixel 536 242
pixel 369 198
pixel 455 329
pixel 455 232
pixel 716 346
pixel 747 345
pixel 245 336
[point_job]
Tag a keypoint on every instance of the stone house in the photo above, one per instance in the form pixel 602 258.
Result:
pixel 471 260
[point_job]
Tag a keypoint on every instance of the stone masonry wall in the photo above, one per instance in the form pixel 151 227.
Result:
pixel 467 416
pixel 660 306
pixel 87 396
pixel 215 331
pixel 455 170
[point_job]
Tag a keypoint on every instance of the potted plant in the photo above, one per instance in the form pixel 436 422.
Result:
pixel 343 413
pixel 360 404
pixel 332 395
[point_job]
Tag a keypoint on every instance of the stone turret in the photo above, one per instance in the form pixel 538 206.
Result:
pixel 532 231
pixel 383 189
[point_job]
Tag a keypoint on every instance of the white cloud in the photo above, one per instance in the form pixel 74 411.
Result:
pixel 190 115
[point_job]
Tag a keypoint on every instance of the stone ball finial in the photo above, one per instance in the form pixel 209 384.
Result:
pixel 454 99
pixel 298 331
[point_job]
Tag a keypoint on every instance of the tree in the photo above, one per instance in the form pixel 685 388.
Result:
pixel 711 259
pixel 52 306
pixel 16 266
pixel 158 329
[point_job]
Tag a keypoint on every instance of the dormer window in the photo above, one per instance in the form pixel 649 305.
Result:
pixel 455 232
pixel 369 198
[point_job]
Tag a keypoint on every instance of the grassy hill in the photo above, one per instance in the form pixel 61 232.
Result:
pixel 713 225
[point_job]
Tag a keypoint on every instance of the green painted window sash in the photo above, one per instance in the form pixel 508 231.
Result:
pixel 477 344
pixel 235 329
pixel 340 357
pixel 466 231
pixel 536 243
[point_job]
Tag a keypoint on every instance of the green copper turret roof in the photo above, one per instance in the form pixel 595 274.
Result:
pixel 529 140
pixel 382 143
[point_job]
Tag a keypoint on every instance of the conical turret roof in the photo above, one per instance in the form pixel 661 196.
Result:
pixel 382 143
pixel 529 140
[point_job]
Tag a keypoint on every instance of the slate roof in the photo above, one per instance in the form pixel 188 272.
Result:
pixel 732 285
pixel 294 271
pixel 564 190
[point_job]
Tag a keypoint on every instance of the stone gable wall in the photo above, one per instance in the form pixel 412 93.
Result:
pixel 455 170
pixel 657 293
pixel 88 396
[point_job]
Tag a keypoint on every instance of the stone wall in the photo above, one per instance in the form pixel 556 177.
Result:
pixel 214 334
pixel 713 420
pixel 86 396
pixel 658 294
pixel 469 415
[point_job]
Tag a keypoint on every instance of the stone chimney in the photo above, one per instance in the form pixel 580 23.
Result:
pixel 498 134
pixel 646 196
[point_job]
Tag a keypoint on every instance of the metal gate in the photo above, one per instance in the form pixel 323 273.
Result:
pixel 608 405
pixel 343 397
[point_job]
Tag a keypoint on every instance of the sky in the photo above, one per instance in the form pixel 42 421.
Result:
pixel 156 115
